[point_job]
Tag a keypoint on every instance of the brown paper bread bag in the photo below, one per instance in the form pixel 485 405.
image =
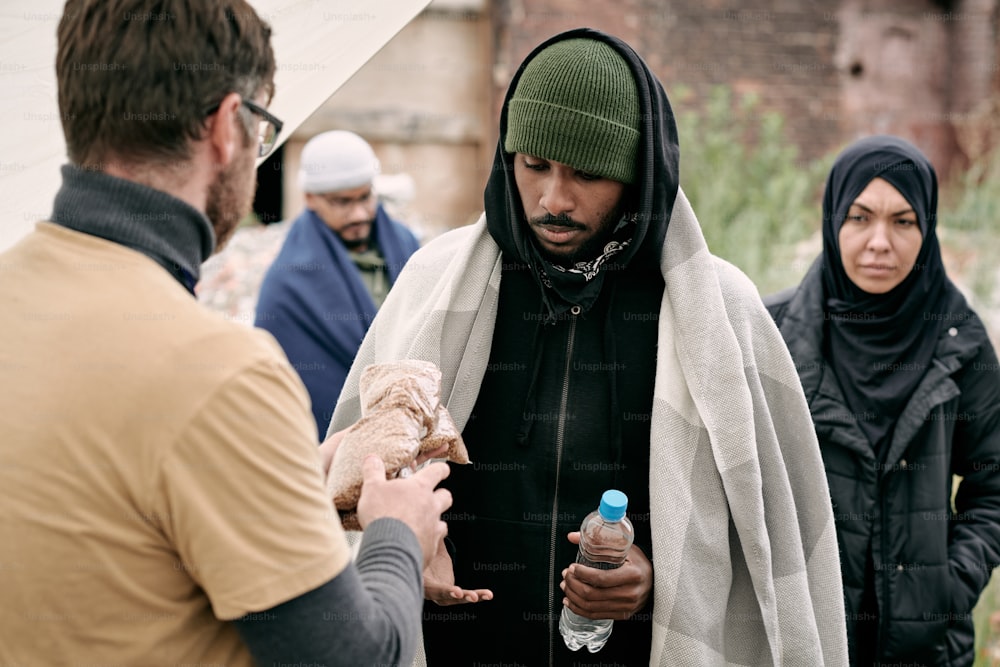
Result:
pixel 401 416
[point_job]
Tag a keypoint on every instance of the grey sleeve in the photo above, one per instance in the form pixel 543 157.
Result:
pixel 369 614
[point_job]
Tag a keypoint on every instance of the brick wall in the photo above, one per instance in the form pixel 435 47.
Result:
pixel 835 70
pixel 783 52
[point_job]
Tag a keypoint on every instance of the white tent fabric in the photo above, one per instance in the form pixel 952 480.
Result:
pixel 318 45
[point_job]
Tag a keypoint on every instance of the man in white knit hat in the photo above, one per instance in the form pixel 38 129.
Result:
pixel 340 258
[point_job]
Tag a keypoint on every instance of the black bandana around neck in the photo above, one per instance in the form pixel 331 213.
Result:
pixel 580 284
pixel 880 345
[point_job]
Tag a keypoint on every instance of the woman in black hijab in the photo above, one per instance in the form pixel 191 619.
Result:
pixel 904 389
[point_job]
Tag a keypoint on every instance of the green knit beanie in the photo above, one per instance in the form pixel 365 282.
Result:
pixel 576 103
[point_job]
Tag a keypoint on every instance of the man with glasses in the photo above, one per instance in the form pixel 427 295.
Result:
pixel 268 128
pixel 333 272
pixel 163 496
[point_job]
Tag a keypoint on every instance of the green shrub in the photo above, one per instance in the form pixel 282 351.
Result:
pixel 755 198
pixel 989 602
pixel 967 217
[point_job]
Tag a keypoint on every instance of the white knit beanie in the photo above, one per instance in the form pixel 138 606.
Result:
pixel 337 160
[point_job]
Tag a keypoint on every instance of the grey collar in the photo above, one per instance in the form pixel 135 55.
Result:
pixel 169 231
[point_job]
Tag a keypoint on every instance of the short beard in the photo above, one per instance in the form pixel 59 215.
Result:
pixel 354 244
pixel 230 197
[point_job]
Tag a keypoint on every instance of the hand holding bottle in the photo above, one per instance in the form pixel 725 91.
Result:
pixel 616 594
pixel 611 579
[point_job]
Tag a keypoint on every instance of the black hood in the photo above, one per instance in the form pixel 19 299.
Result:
pixel 649 201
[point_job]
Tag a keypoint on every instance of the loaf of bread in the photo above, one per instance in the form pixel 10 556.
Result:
pixel 401 417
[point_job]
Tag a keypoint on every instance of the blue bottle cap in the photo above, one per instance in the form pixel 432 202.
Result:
pixel 613 505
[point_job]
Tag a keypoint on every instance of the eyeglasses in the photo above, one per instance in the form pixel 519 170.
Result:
pixel 344 203
pixel 267 130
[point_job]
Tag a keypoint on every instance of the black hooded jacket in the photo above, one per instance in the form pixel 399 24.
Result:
pixel 929 562
pixel 563 414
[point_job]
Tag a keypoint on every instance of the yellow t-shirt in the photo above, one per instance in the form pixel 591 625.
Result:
pixel 158 466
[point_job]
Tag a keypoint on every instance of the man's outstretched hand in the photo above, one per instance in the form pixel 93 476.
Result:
pixel 439 582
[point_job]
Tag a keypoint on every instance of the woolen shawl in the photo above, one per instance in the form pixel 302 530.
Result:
pixel 746 568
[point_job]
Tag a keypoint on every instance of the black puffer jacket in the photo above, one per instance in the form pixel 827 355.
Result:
pixel 929 562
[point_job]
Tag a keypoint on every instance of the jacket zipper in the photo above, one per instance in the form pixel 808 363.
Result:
pixel 883 622
pixel 560 434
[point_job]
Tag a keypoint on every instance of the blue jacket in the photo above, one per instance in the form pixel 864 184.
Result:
pixel 313 301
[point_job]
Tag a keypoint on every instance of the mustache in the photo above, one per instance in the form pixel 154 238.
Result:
pixel 550 220
pixel 359 223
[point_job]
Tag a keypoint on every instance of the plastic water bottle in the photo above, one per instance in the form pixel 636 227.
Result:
pixel 605 539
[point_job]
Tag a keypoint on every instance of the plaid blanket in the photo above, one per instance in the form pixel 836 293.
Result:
pixel 746 567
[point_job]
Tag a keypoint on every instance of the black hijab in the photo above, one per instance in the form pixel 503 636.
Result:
pixel 648 202
pixel 880 345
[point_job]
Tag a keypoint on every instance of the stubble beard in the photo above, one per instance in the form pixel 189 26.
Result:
pixel 589 250
pixel 230 197
pixel 358 244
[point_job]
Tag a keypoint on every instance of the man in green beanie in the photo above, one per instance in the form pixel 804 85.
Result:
pixel 588 340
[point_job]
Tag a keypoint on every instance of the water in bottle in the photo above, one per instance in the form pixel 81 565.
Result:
pixel 605 539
